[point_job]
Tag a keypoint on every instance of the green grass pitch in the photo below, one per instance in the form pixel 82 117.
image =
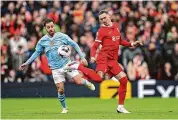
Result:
pixel 88 108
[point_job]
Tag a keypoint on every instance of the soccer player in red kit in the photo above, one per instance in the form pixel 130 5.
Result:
pixel 109 37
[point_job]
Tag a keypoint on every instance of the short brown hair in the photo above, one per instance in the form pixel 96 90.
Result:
pixel 48 21
pixel 103 11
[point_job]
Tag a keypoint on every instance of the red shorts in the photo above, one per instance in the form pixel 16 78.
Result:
pixel 111 67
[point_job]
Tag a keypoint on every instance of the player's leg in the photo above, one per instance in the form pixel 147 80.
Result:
pixel 82 75
pixel 61 96
pixel 91 74
pixel 122 91
pixel 116 70
pixel 59 79
pixel 77 78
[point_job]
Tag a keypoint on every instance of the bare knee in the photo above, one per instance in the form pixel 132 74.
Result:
pixel 79 82
pixel 122 77
pixel 78 79
pixel 60 88
pixel 80 73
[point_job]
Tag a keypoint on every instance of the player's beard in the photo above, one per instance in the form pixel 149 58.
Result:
pixel 51 32
pixel 105 24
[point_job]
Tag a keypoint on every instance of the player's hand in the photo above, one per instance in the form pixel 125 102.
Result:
pixel 92 60
pixel 137 43
pixel 84 61
pixel 23 66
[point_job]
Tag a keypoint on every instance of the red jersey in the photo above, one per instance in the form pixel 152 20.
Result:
pixel 110 39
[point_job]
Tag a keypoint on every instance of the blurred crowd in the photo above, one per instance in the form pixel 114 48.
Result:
pixel 154 23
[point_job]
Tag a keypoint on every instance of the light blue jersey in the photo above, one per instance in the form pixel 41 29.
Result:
pixel 50 45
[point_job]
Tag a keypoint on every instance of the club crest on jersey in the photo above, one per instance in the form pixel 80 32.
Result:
pixel 114 38
pixel 51 43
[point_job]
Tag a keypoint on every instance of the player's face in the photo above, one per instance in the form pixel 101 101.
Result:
pixel 105 19
pixel 50 28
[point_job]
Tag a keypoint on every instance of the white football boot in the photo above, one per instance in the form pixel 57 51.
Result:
pixel 64 111
pixel 122 110
pixel 90 86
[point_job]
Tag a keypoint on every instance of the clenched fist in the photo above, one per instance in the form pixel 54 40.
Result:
pixel 137 43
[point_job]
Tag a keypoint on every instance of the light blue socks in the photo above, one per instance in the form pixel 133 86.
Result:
pixel 62 99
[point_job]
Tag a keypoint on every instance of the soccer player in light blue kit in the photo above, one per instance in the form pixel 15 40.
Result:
pixel 50 44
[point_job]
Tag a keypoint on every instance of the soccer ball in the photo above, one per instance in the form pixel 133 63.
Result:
pixel 64 51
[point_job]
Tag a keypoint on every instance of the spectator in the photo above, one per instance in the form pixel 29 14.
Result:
pixel 11 8
pixel 154 60
pixel 174 61
pixel 167 72
pixel 168 47
pixel 6 63
pixel 54 14
pixel 174 33
pixel 38 26
pixel 137 68
pixel 8 25
pixel 18 58
pixel 17 41
pixel 78 13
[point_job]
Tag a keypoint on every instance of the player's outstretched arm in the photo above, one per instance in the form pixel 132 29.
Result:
pixel 128 44
pixel 39 50
pixel 93 51
pixel 30 60
pixel 125 43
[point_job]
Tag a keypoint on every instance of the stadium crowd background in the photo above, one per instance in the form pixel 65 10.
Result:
pixel 155 23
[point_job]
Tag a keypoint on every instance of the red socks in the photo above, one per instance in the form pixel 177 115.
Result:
pixel 91 74
pixel 122 90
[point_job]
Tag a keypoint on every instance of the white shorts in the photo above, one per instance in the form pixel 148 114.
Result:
pixel 60 76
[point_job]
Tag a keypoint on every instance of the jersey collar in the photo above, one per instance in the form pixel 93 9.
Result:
pixel 50 36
